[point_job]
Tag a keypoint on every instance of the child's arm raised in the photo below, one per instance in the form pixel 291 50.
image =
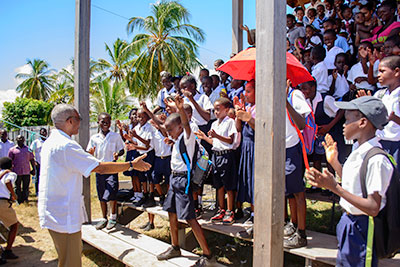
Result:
pixel 144 141
pixel 205 114
pixel 159 123
pixel 182 113
pixel 201 135
pixel 331 154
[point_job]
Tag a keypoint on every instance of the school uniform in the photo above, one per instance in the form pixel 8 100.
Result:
pixel 246 164
pixel 342 43
pixel 7 214
pixel 390 135
pixel 320 73
pixel 316 40
pixel 294 169
pixel 146 132
pixel 341 85
pixel 331 56
pixel 235 92
pixel 352 229
pixel 320 23
pixel 223 158
pixel 177 201
pixel 357 71
pixel 162 94
pixel 162 160
pixel 106 146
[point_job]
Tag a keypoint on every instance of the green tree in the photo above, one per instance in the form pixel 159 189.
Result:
pixel 110 97
pixel 167 42
pixel 36 84
pixel 27 112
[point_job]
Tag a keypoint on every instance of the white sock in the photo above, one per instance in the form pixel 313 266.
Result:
pixel 140 194
pixel 113 216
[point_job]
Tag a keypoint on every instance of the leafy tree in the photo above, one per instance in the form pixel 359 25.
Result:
pixel 110 97
pixel 167 42
pixel 27 112
pixel 36 82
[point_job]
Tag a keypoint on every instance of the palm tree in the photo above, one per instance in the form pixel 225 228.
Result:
pixel 36 82
pixel 119 64
pixel 110 97
pixel 168 42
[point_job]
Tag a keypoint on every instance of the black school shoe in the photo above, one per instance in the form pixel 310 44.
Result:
pixel 170 253
pixel 239 214
pixel 150 202
pixel 9 255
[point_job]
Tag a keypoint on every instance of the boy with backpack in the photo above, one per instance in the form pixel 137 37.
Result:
pixel 179 203
pixel 364 115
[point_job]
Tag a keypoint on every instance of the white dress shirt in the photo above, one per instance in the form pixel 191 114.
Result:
pixel 161 149
pixel 177 163
pixel 36 147
pixel 106 146
pixel 331 56
pixel 146 132
pixel 203 102
pixel 391 132
pixel 379 172
pixel 357 71
pixel 329 104
pixel 341 85
pixel 60 201
pixel 4 147
pixel 225 128
pixel 320 73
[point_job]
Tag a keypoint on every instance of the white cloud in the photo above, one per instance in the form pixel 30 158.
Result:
pixel 7 96
pixel 22 69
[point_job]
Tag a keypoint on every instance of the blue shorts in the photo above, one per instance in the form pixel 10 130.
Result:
pixel 146 176
pixel 352 233
pixel 294 170
pixel 162 168
pixel 107 186
pixel 177 201
pixel 225 171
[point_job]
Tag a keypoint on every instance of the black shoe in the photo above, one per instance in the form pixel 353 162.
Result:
pixel 149 227
pixel 149 203
pixel 239 214
pixel 9 255
pixel 170 253
pixel 140 202
pixel 162 199
pixel 295 241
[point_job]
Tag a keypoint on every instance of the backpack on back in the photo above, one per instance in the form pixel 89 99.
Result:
pixel 308 135
pixel 201 166
pixel 387 222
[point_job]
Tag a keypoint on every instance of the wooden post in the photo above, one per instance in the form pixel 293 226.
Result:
pixel 237 20
pixel 270 133
pixel 81 83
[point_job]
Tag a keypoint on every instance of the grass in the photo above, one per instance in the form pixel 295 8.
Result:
pixel 35 247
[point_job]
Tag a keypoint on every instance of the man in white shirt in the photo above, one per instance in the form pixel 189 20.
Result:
pixel 36 148
pixel 60 201
pixel 5 144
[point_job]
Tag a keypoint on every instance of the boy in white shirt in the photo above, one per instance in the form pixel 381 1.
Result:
pixel 331 49
pixel 222 137
pixel 339 85
pixel 106 146
pixel 364 115
pixel 319 70
pixel 7 213
pixel 179 204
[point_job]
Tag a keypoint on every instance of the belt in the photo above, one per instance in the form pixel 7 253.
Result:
pixel 164 157
pixel 174 173
pixel 222 152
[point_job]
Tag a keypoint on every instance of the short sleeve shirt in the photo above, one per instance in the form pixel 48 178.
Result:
pixel 161 149
pixel 146 132
pixel 36 147
pixel 357 71
pixel 320 73
pixel 331 56
pixel 21 159
pixel 164 93
pixel 105 146
pixel 7 178
pixel 225 128
pixel 177 163
pixel 5 147
pixel 203 102
pixel 391 132
pixel 341 85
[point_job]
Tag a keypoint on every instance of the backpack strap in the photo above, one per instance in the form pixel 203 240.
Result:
pixel 186 159
pixel 363 170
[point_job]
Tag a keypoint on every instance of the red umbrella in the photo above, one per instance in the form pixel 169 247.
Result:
pixel 243 67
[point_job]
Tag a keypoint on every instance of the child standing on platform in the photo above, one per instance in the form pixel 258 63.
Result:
pixel 222 136
pixel 106 146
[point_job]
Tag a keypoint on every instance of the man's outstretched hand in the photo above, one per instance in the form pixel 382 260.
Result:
pixel 141 165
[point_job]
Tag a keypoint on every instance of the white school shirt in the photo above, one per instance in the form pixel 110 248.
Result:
pixel 177 163
pixel 106 146
pixel 391 132
pixel 379 172
pixel 320 73
pixel 9 177
pixel 5 147
pixel 203 102
pixel 162 94
pixel 301 106
pixel 331 56
pixel 357 71
pixel 146 132
pixel 36 147
pixel 329 104
pixel 315 39
pixel 161 149
pixel 60 201
pixel 224 128
pixel 341 85
pixel 376 72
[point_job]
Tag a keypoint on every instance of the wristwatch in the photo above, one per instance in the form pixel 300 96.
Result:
pixel 130 166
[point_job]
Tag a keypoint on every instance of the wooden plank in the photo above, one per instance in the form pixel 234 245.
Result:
pixel 81 81
pixel 237 20
pixel 270 133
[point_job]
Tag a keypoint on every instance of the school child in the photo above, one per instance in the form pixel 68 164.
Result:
pixel 222 137
pixel 169 89
pixel 312 38
pixel 348 21
pixel 7 213
pixel 319 70
pixel 300 15
pixel 337 81
pixel 236 89
pixel 389 76
pixel 357 77
pixel 340 41
pixel 106 146
pixel 331 49
pixel 179 204
pixel 321 18
pixel 143 134
pixel 312 18
pixel 364 115
pixel 245 124
pixel 297 109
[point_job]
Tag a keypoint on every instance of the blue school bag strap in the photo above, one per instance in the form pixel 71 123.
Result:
pixel 185 157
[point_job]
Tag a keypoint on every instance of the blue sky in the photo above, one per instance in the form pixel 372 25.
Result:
pixel 45 29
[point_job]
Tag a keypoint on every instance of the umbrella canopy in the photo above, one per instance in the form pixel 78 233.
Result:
pixel 243 67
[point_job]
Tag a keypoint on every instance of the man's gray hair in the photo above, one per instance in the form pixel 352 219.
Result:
pixel 61 113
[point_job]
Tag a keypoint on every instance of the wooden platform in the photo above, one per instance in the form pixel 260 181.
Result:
pixel 133 248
